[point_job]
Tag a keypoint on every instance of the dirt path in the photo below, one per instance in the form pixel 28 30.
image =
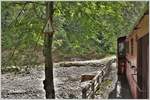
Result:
pixel 30 86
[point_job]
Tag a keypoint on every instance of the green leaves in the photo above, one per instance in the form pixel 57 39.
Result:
pixel 80 27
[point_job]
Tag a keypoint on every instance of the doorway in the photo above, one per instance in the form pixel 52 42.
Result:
pixel 142 67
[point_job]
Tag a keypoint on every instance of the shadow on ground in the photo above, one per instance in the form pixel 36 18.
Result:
pixel 122 90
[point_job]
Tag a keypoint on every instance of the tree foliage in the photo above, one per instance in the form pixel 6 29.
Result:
pixel 81 28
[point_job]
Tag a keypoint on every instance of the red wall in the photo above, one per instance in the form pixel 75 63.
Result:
pixel 132 78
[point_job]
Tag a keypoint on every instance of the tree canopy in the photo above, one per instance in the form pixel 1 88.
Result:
pixel 81 28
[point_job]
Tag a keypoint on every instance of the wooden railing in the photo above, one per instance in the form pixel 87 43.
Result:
pixel 89 90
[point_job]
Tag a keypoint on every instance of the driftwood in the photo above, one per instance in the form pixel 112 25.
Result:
pixel 78 64
pixel 86 77
pixel 95 63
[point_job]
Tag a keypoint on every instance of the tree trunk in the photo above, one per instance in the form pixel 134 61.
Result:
pixel 48 82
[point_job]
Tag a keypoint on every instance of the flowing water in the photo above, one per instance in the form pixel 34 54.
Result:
pixel 122 90
pixel 30 86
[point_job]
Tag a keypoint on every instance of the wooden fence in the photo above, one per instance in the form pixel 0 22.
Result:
pixel 89 90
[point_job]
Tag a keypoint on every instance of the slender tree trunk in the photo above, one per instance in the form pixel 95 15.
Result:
pixel 48 82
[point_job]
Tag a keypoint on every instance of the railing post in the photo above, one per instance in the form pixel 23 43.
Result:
pixel 93 92
pixel 102 75
pixel 84 93
pixel 98 79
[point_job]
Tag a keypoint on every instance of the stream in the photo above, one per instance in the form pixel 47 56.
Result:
pixel 30 86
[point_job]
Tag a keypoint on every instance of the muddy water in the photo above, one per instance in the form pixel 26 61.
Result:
pixel 121 90
pixel 30 86
pixel 67 81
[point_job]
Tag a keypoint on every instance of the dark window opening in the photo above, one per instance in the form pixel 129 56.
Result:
pixel 121 49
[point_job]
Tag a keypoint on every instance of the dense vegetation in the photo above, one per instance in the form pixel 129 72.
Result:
pixel 82 29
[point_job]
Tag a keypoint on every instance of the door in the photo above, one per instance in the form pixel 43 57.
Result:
pixel 142 67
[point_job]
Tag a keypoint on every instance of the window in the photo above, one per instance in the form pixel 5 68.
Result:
pixel 121 49
pixel 132 46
